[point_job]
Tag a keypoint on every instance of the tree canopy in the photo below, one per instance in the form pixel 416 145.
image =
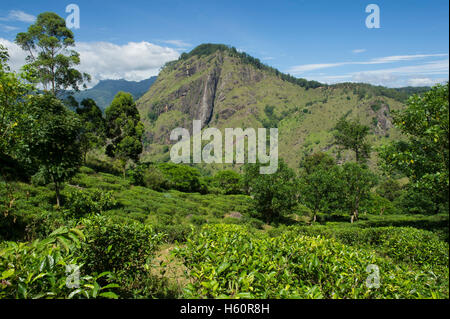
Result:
pixel 49 44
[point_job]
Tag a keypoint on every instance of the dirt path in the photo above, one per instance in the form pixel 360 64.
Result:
pixel 169 267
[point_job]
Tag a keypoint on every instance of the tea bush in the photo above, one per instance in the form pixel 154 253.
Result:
pixel 38 269
pixel 228 261
pixel 405 244
pixel 82 202
pixel 117 247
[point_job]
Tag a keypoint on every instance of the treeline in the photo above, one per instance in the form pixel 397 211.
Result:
pixel 363 90
pixel 210 48
pixel 44 137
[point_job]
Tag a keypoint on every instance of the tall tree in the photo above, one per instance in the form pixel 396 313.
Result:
pixel 273 194
pixel 351 134
pixel 13 93
pixel 53 139
pixel 49 44
pixel 424 157
pixel 93 126
pixel 319 182
pixel 356 183
pixel 124 129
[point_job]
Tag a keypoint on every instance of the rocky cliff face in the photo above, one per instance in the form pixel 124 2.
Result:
pixel 223 90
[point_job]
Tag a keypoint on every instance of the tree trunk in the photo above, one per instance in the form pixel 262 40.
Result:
pixel 355 212
pixel 57 195
pixel 57 192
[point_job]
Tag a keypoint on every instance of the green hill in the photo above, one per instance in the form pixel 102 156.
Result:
pixel 226 88
pixel 104 92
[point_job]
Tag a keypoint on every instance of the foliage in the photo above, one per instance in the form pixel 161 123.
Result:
pixel 402 244
pixel 52 139
pixel 93 128
pixel 274 194
pixel 124 129
pixel 424 158
pixel 182 177
pixel 48 43
pixel 117 247
pixel 13 92
pixel 125 249
pixel 357 182
pixel 228 181
pixel 351 134
pixel 319 190
pixel 79 203
pixel 228 261
pixel 40 269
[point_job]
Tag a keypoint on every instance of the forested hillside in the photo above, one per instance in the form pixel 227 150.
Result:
pixel 103 92
pixel 225 88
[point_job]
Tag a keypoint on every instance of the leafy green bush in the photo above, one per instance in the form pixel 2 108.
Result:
pixel 174 233
pixel 183 178
pixel 117 247
pixel 39 269
pixel 83 202
pixel 228 181
pixel 227 261
pixel 404 244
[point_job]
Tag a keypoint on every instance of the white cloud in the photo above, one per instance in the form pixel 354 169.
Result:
pixel 298 69
pixel 356 51
pixel 18 15
pixel 8 28
pixel 177 43
pixel 16 54
pixel 133 61
pixel 423 81
pixel 424 74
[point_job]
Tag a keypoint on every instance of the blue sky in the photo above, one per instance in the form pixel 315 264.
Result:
pixel 322 40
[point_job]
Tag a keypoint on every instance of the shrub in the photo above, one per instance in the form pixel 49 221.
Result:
pixel 154 179
pixel 38 269
pixel 174 233
pixel 82 202
pixel 183 178
pixel 117 247
pixel 228 181
pixel 226 261
pixel 405 244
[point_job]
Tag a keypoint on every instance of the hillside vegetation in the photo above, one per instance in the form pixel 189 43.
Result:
pixel 91 206
pixel 225 88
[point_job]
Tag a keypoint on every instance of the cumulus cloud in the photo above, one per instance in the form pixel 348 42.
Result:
pixel 134 61
pixel 16 54
pixel 18 15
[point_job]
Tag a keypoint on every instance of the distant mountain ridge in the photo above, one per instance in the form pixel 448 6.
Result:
pixel 104 91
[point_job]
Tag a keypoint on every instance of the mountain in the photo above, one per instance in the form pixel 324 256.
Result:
pixel 104 92
pixel 226 88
